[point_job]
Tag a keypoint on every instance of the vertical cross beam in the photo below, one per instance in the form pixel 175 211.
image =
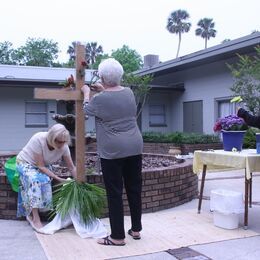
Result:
pixel 80 119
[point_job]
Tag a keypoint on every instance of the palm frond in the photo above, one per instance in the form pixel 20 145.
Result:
pixel 87 200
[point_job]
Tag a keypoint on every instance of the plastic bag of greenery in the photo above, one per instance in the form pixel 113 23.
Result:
pixel 11 173
pixel 86 199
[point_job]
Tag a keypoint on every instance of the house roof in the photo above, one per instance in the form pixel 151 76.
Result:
pixel 13 75
pixel 222 51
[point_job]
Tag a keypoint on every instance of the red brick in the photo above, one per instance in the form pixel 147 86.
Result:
pixel 151 193
pixel 2 206
pixel 3 193
pixel 152 204
pixel 158 197
pixel 150 182
pixel 158 186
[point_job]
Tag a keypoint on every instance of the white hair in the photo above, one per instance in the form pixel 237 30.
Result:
pixel 58 131
pixel 110 72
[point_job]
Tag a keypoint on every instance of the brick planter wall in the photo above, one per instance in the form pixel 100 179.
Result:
pixel 163 148
pixel 190 148
pixel 8 198
pixel 163 188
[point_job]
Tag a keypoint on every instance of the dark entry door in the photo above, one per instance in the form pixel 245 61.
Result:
pixel 192 117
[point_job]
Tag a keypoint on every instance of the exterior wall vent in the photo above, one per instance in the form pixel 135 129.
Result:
pixel 150 60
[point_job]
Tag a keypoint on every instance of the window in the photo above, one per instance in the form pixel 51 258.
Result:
pixel 226 108
pixel 157 116
pixel 36 113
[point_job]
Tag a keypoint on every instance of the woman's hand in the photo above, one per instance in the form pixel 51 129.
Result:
pixel 59 179
pixel 97 87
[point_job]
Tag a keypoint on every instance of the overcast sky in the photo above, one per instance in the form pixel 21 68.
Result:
pixel 140 24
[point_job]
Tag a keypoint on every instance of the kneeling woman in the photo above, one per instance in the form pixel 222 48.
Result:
pixel 33 164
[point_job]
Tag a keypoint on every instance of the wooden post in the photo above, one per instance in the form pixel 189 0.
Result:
pixel 80 119
pixel 65 94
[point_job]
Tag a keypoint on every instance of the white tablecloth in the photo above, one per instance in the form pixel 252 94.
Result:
pixel 220 160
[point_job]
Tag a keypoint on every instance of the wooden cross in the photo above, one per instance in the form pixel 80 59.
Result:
pixel 76 95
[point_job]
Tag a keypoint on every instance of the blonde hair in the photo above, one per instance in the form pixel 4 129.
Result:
pixel 58 131
pixel 110 72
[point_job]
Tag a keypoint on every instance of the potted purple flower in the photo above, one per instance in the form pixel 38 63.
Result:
pixel 233 129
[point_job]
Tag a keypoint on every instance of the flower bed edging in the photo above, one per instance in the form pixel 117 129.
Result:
pixel 163 188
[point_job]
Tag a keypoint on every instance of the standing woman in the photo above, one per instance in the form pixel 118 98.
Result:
pixel 119 145
pixel 33 165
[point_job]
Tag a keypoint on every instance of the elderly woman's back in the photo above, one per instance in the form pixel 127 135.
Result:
pixel 116 127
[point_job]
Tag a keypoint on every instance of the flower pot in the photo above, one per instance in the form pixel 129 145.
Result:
pixel 232 139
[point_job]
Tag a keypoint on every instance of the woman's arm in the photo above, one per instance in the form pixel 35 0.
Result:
pixel 70 165
pixel 249 119
pixel 86 91
pixel 40 164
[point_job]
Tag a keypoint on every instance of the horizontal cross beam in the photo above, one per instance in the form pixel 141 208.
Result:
pixel 57 94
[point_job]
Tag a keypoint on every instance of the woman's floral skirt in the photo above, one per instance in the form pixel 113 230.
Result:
pixel 34 189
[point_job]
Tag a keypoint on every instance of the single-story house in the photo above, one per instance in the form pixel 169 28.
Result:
pixel 188 93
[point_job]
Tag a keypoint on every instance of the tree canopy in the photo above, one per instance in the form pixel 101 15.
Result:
pixel 37 52
pixel 141 88
pixel 246 74
pixel 6 53
pixel 130 59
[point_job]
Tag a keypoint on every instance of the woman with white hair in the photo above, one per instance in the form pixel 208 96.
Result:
pixel 33 164
pixel 119 145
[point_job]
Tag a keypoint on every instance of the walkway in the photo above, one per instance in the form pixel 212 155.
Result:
pixel 18 241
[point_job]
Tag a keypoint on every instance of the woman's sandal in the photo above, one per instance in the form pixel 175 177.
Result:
pixel 109 242
pixel 136 237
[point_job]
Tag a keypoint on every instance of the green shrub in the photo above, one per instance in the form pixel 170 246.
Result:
pixel 179 138
pixel 250 139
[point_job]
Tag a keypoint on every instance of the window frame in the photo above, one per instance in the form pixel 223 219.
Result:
pixel 45 113
pixel 232 106
pixel 151 124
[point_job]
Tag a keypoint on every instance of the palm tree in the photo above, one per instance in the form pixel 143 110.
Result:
pixel 72 51
pixel 92 52
pixel 206 30
pixel 177 25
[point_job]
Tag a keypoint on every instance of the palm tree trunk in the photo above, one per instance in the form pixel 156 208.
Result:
pixel 206 42
pixel 179 45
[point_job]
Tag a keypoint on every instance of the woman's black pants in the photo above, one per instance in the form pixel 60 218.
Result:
pixel 116 173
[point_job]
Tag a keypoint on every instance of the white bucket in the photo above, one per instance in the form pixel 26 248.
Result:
pixel 226 201
pixel 227 221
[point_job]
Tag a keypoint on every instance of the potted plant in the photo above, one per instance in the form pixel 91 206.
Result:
pixel 233 129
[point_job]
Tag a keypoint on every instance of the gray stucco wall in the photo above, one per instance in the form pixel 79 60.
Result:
pixel 208 83
pixel 13 133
